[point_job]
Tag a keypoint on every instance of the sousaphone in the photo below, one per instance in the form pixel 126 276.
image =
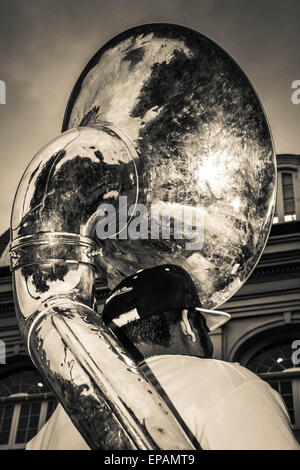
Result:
pixel 166 156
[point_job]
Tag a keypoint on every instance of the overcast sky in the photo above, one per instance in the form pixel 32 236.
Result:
pixel 44 44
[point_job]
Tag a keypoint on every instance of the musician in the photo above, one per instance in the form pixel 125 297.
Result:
pixel 157 315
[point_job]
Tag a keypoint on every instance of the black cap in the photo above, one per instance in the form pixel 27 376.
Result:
pixel 153 291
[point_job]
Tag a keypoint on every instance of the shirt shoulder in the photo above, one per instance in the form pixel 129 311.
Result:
pixel 210 379
pixel 224 403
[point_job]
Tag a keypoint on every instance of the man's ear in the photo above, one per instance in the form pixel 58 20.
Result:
pixel 186 326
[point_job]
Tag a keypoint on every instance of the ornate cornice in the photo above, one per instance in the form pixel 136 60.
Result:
pixel 275 270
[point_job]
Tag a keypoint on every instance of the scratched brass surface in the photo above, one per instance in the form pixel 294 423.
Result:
pixel 201 137
pixel 54 265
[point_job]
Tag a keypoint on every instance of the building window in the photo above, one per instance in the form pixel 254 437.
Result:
pixel 288 197
pixel 25 404
pixel 274 365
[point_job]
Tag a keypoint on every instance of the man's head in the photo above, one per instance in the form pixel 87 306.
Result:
pixel 158 311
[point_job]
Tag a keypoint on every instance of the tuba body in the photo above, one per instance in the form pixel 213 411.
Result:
pixel 165 157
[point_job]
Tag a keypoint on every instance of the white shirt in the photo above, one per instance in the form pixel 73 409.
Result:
pixel 224 405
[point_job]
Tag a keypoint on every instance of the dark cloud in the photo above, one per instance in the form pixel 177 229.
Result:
pixel 46 43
